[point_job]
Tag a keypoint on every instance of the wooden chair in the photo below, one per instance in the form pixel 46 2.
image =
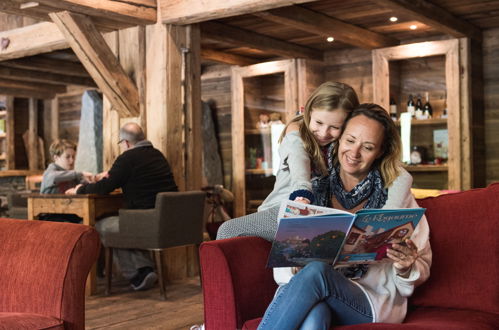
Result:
pixel 176 220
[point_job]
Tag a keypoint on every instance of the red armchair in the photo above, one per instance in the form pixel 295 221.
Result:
pixel 461 293
pixel 43 268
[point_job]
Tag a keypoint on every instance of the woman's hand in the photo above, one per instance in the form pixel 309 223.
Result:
pixel 302 200
pixel 404 255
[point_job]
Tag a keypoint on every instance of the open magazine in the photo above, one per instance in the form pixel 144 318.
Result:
pixel 309 233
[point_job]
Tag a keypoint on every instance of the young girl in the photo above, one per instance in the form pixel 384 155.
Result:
pixel 307 140
pixel 305 143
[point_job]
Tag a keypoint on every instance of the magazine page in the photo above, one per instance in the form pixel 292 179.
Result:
pixel 290 209
pixel 299 241
pixel 374 231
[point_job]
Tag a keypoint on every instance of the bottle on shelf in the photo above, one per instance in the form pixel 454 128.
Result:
pixel 427 109
pixel 410 106
pixel 393 109
pixel 444 113
pixel 419 108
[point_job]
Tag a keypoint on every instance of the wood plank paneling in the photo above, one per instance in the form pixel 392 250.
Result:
pixel 491 102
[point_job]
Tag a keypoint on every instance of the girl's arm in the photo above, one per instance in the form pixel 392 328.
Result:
pixel 297 162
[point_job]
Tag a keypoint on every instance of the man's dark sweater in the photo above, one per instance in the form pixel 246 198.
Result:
pixel 141 172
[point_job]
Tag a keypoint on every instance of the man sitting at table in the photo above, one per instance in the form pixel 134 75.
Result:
pixel 141 171
pixel 60 176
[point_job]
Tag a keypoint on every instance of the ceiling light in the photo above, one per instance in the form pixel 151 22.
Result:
pixel 393 19
pixel 330 39
pixel 413 27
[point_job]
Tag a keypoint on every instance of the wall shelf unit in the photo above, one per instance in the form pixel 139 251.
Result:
pixel 451 82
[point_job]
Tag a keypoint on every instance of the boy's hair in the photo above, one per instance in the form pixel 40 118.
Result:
pixel 389 161
pixel 330 96
pixel 58 147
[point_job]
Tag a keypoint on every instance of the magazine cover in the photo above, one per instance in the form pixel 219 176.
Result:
pixel 374 231
pixel 299 241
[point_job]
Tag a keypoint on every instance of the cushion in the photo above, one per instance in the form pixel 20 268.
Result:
pixel 28 321
pixel 464 233
pixel 424 318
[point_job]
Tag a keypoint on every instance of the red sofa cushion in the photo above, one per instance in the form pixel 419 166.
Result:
pixel 424 318
pixel 464 231
pixel 28 321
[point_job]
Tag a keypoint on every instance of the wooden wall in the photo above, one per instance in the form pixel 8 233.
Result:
pixel 69 115
pixel 215 89
pixel 491 97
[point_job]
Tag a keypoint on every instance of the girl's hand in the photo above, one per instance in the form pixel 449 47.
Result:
pixel 302 200
pixel 404 255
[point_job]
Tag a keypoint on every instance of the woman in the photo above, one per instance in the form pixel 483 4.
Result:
pixel 366 163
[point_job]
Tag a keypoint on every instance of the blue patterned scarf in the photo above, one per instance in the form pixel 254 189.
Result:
pixel 372 188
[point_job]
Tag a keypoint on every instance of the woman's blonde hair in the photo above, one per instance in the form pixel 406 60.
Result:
pixel 58 147
pixel 389 161
pixel 330 96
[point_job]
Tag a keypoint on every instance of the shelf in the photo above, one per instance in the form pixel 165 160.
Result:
pixel 254 203
pixel 257 131
pixel 428 122
pixel 427 168
pixel 259 171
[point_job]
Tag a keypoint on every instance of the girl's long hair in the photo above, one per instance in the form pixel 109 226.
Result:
pixel 389 162
pixel 329 96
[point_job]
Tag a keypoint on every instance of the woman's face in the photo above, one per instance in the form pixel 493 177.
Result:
pixel 326 125
pixel 360 145
pixel 66 160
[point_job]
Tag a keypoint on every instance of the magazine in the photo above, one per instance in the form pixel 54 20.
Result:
pixel 309 233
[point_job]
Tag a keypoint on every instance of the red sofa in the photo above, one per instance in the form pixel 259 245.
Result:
pixel 43 268
pixel 461 293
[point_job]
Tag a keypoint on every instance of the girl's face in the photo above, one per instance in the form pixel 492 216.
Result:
pixel 66 160
pixel 326 125
pixel 360 145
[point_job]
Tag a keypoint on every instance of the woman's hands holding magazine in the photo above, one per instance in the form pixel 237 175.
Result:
pixel 404 255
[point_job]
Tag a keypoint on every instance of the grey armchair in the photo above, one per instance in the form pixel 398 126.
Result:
pixel 176 220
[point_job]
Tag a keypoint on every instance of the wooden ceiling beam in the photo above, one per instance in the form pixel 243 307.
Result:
pixel 44 64
pixel 224 57
pixel 133 12
pixel 44 77
pixel 27 89
pixel 434 16
pixel 96 56
pixel 31 40
pixel 236 36
pixel 191 11
pixel 326 26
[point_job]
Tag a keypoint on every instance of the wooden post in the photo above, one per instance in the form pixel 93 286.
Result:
pixel 33 135
pixel 9 123
pixel 174 103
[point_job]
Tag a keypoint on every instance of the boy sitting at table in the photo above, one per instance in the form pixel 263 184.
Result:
pixel 60 176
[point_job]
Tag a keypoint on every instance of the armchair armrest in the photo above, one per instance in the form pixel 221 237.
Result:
pixel 236 285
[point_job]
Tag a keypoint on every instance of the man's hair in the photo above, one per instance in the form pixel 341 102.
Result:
pixel 132 133
pixel 58 147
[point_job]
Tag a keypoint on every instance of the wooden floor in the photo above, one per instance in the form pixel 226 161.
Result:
pixel 127 309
